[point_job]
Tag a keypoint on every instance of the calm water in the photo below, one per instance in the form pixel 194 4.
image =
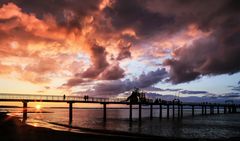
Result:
pixel 214 126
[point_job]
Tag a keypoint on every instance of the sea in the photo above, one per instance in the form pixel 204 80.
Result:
pixel 200 126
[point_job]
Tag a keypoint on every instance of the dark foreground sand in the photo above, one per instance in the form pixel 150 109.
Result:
pixel 11 129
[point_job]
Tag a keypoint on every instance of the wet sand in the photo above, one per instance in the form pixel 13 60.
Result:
pixel 12 129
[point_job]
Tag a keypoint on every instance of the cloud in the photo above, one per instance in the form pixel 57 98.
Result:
pixel 230 95
pixel 116 87
pixel 124 52
pixel 193 92
pixel 235 88
pixel 74 82
pixel 112 72
pixel 67 13
pixel 132 14
pixel 217 53
pixel 99 60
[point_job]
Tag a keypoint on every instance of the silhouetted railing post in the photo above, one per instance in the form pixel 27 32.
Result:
pixel 70 113
pixel 151 111
pixel 218 109
pixel 202 109
pixel 24 111
pixel 130 112
pixel 140 112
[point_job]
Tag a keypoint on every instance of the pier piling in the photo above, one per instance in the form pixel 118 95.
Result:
pixel 167 111
pixel 104 112
pixel 140 112
pixel 181 111
pixel 192 110
pixel 225 109
pixel 178 107
pixel 160 111
pixel 24 111
pixel 130 112
pixel 173 110
pixel 205 109
pixel 70 113
pixel 151 111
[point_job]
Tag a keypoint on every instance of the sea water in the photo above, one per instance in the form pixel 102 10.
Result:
pixel 207 126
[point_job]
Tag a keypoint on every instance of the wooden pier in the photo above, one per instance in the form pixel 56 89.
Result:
pixel 176 105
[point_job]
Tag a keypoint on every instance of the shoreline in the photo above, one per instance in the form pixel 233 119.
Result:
pixel 11 128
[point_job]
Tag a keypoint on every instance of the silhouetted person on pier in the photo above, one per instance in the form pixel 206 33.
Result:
pixel 64 97
pixel 85 98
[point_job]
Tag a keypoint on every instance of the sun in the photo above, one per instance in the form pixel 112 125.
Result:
pixel 38 106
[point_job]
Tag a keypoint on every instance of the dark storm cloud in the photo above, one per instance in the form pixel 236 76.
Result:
pixel 216 54
pixel 230 95
pixel 118 86
pixel 68 13
pixel 152 88
pixel 113 72
pixel 100 69
pixel 133 14
pixel 124 53
pixel 74 82
pixel 236 88
pixel 193 92
pixel 99 62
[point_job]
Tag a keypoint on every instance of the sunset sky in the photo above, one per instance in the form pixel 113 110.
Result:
pixel 105 48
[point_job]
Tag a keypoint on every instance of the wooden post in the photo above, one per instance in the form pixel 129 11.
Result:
pixel 151 111
pixel 24 111
pixel 70 113
pixel 140 112
pixel 218 109
pixel 202 109
pixel 160 111
pixel 104 112
pixel 192 110
pixel 168 111
pixel 130 112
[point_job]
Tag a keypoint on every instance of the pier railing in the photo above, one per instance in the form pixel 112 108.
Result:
pixel 178 105
pixel 31 97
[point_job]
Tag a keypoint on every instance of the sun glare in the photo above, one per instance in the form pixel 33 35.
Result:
pixel 38 107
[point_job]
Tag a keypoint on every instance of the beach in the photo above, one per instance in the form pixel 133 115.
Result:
pixel 12 129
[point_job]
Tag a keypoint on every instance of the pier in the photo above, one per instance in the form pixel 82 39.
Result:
pixel 176 106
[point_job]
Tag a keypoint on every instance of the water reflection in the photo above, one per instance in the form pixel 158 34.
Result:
pixel 117 119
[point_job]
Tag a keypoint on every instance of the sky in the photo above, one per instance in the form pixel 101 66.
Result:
pixel 105 48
